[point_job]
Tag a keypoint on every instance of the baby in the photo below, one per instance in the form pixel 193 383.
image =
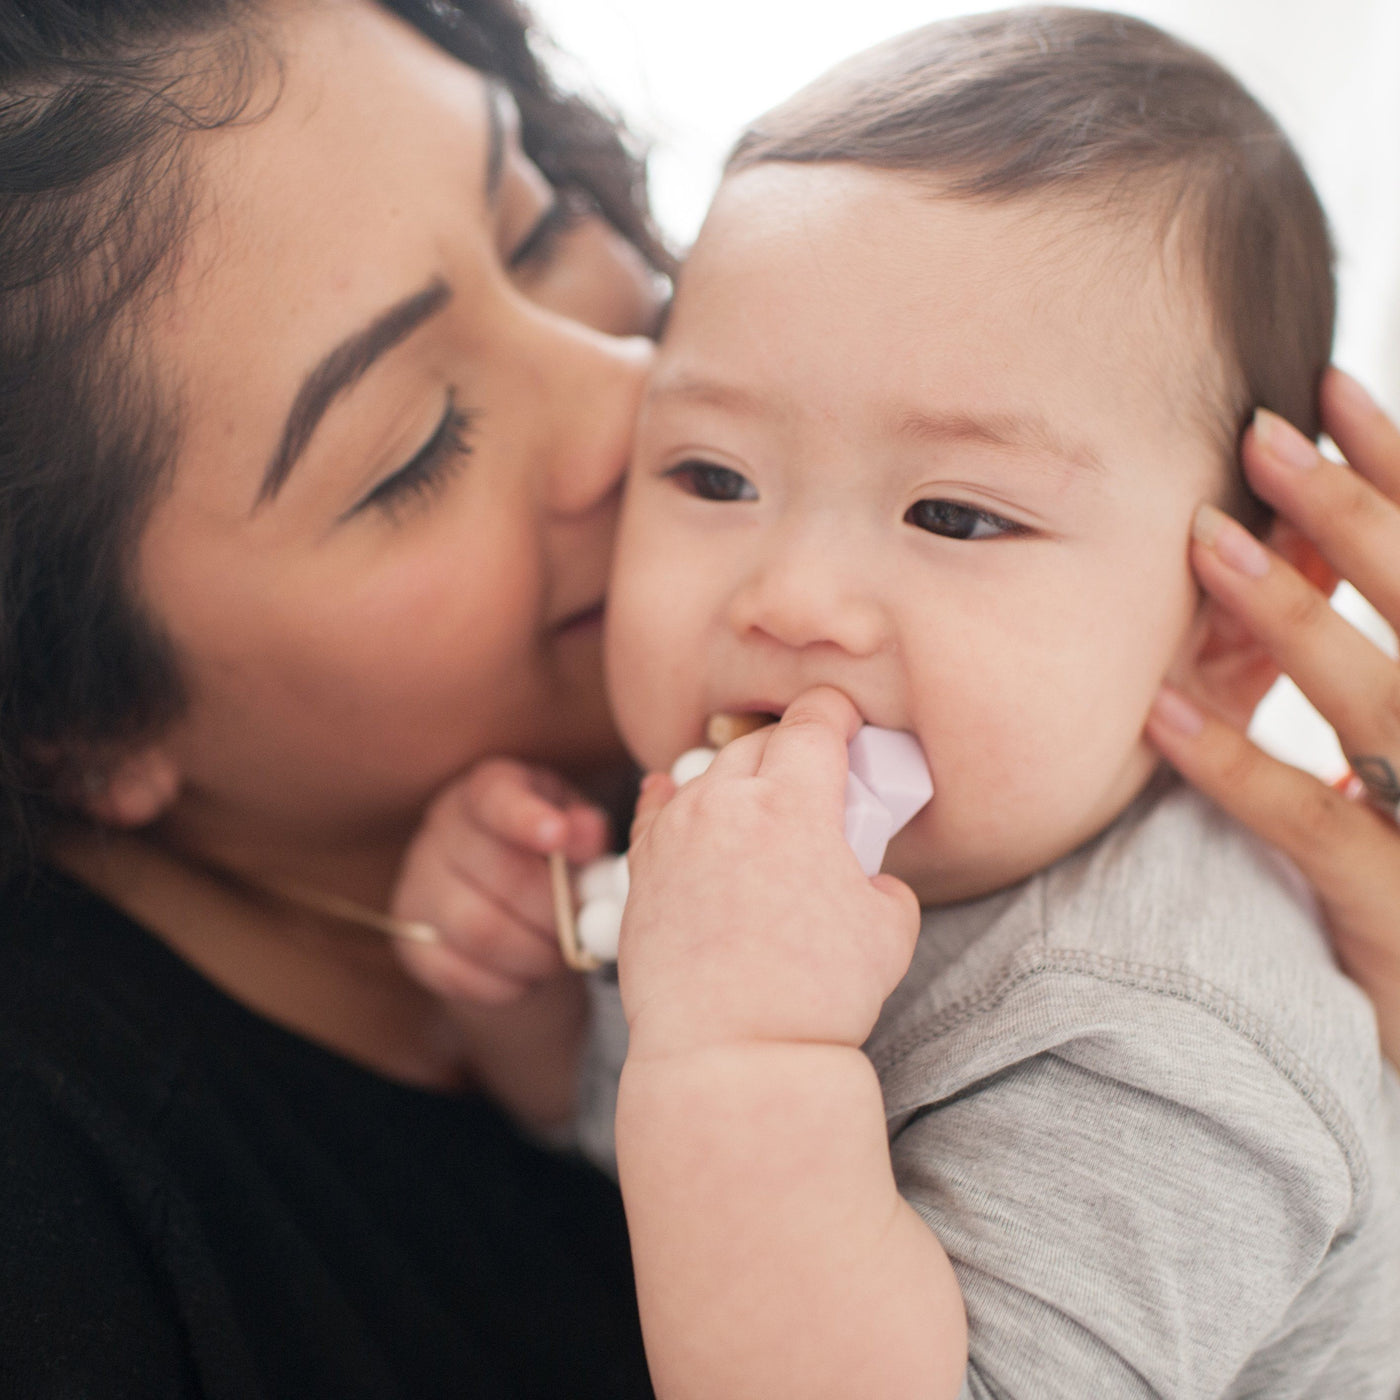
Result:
pixel 972 327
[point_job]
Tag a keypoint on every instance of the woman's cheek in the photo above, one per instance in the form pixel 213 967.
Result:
pixel 635 639
pixel 634 678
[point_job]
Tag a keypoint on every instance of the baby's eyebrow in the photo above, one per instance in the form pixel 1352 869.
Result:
pixel 1025 430
pixel 711 393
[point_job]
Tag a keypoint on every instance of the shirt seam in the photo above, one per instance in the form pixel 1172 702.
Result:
pixel 1181 986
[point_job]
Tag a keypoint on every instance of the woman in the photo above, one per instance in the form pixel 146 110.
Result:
pixel 316 396
pixel 316 393
pixel 1345 841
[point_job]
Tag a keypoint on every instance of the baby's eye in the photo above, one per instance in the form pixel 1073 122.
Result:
pixel 712 483
pixel 955 521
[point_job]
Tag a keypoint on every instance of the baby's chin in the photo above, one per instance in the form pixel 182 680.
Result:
pixel 941 875
pixel 944 877
pixel 944 862
pixel 654 752
pixel 936 886
pixel 655 747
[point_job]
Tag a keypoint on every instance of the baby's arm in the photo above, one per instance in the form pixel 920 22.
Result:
pixel 774 1254
pixel 476 872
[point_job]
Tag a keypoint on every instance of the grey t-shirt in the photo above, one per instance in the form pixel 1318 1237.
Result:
pixel 1148 1120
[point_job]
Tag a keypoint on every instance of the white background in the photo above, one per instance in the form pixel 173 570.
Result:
pixel 688 75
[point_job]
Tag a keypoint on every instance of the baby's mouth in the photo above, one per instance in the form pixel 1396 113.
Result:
pixel 725 726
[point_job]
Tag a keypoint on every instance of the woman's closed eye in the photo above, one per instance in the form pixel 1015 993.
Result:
pixel 956 521
pixel 428 470
pixel 568 209
pixel 711 482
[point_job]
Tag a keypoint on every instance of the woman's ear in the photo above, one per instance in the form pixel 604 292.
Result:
pixel 1221 660
pixel 132 791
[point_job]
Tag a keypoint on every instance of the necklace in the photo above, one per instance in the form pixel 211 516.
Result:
pixel 343 909
pixel 339 908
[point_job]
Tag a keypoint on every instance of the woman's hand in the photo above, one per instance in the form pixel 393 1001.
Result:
pixel 1343 843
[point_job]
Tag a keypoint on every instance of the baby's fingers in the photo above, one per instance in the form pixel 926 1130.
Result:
pixel 484 953
pixel 454 978
pixel 1354 684
pixel 657 790
pixel 807 751
pixel 513 879
pixel 904 911
pixel 528 807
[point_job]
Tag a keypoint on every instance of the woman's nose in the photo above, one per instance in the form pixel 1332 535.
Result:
pixel 596 395
pixel 814 591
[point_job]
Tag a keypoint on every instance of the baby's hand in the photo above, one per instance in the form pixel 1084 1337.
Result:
pixel 476 872
pixel 749 918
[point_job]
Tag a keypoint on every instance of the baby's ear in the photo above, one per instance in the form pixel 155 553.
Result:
pixel 1221 661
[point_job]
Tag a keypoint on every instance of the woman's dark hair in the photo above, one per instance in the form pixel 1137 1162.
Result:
pixel 1099 108
pixel 95 98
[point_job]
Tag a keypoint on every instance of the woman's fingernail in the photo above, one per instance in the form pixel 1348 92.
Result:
pixel 1177 712
pixel 1349 394
pixel 1230 541
pixel 1282 440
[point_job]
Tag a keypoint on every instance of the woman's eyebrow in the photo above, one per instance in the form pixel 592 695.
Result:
pixel 339 370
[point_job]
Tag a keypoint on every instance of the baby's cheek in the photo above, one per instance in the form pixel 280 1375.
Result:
pixel 1007 787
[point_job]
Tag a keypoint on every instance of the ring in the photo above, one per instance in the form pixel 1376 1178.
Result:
pixel 1380 782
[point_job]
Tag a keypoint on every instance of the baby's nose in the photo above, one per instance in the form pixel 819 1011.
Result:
pixel 814 592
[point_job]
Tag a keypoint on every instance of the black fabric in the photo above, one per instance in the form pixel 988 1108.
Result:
pixel 194 1202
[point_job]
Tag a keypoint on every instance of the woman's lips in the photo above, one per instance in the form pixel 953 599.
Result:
pixel 764 709
pixel 582 620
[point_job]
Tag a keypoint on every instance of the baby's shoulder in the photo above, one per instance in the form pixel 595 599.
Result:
pixel 1174 954
pixel 1147 1118
pixel 1177 886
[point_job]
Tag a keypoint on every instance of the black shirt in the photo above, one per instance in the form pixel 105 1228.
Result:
pixel 195 1202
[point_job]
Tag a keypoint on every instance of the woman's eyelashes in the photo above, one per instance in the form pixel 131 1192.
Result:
pixel 428 470
pixel 569 208
pixel 956 521
pixel 711 482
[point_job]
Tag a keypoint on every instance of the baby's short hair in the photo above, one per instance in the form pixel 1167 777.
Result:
pixel 1110 111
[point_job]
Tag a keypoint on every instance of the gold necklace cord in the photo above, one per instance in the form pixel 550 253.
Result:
pixel 348 911
pixel 85 859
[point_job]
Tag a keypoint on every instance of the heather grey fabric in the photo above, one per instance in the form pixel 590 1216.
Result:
pixel 1148 1120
